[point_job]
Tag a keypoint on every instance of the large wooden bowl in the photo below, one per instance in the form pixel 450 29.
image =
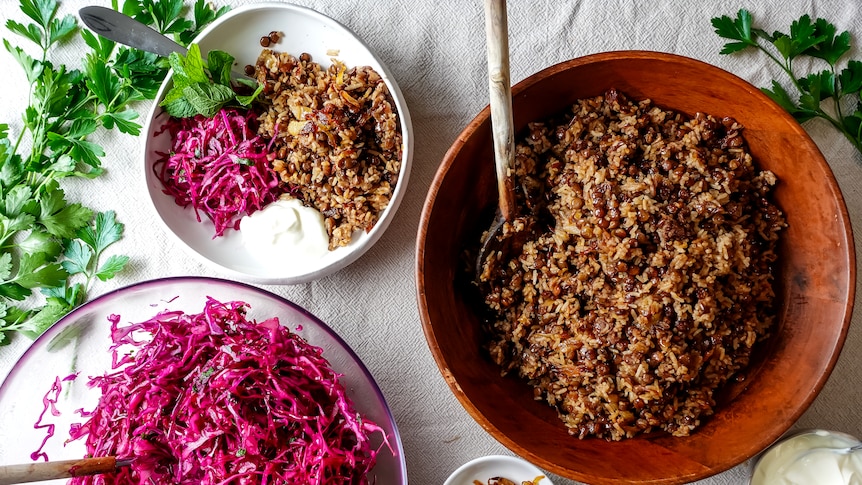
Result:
pixel 815 281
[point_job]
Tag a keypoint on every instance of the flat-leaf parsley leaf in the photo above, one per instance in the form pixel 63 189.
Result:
pixel 817 39
pixel 47 243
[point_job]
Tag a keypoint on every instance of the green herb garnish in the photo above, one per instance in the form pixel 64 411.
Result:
pixel 50 246
pixel 819 39
pixel 204 87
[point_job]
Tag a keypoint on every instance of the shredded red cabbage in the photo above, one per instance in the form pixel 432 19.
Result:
pixel 217 165
pixel 49 403
pixel 214 398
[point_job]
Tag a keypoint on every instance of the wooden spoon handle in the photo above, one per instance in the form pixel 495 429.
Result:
pixel 34 472
pixel 500 90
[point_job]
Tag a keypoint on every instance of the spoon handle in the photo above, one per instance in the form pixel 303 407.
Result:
pixel 127 31
pixel 500 90
pixel 34 472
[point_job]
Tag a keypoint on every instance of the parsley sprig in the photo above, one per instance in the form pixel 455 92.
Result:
pixel 834 87
pixel 49 245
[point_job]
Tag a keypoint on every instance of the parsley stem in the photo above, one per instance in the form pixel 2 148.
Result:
pixel 786 66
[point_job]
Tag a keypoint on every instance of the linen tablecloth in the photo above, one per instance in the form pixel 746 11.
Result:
pixel 436 52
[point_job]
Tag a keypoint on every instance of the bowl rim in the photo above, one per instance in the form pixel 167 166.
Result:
pixel 358 247
pixel 755 461
pixel 515 460
pixel 519 88
pixel 72 316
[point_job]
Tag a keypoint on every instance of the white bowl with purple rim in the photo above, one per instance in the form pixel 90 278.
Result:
pixel 79 343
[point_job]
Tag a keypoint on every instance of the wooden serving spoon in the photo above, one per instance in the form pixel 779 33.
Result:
pixel 500 90
pixel 34 472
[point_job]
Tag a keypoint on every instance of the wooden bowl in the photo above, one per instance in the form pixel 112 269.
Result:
pixel 815 283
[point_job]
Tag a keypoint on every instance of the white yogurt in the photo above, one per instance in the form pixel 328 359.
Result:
pixel 810 458
pixel 287 234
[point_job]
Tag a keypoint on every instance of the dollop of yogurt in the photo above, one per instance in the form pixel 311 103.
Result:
pixel 810 458
pixel 286 233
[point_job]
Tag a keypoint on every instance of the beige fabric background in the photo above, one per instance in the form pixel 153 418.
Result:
pixel 435 50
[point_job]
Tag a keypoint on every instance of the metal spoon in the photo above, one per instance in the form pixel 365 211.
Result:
pixel 500 90
pixel 790 453
pixel 838 451
pixel 34 472
pixel 849 449
pixel 121 28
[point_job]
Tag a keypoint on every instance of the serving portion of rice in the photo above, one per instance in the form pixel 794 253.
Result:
pixel 649 283
pixel 337 140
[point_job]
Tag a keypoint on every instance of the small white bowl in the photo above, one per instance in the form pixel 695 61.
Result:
pixel 483 468
pixel 238 32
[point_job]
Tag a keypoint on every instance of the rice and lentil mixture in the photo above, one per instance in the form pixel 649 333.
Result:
pixel 336 138
pixel 653 280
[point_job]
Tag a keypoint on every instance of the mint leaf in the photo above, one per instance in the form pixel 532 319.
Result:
pixel 180 107
pixel 219 64
pixel 190 66
pixel 247 100
pixel 207 99
pixel 203 89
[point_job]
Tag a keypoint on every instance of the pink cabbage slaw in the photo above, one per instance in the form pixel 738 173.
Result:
pixel 215 398
pixel 49 403
pixel 217 165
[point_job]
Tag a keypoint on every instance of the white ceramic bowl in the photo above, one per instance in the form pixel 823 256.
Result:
pixel 238 32
pixel 510 467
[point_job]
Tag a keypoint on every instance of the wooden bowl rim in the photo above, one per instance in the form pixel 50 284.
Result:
pixel 518 89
